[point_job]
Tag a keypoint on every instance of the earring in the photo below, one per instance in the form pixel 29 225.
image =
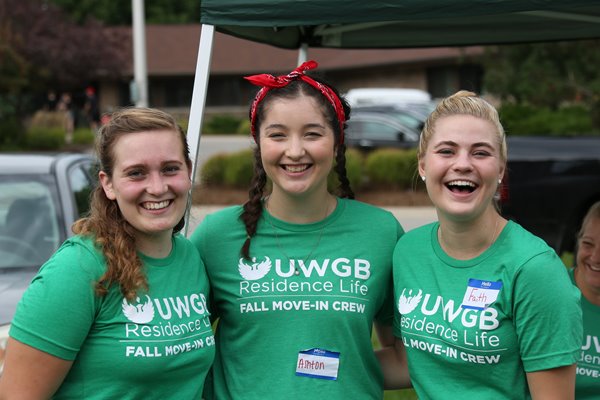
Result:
pixel 423 178
pixel 499 181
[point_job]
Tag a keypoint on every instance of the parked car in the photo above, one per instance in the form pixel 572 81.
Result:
pixel 372 130
pixel 550 184
pixel 397 96
pixel 405 115
pixel 40 197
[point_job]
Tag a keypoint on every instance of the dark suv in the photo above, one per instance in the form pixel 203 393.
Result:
pixel 550 184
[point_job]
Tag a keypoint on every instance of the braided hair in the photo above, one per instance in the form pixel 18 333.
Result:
pixel 253 208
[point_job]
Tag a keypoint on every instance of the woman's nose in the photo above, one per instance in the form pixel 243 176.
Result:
pixel 295 148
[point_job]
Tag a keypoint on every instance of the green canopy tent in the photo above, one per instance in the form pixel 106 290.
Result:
pixel 301 24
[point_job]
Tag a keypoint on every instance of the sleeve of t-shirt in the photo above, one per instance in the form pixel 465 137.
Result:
pixel 59 306
pixel 385 316
pixel 547 314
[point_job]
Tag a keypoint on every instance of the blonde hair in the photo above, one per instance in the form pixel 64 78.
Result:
pixel 105 223
pixel 593 213
pixel 463 103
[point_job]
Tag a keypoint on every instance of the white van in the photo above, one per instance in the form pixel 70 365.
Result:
pixel 378 96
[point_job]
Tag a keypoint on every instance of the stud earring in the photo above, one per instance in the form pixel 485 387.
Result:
pixel 423 178
pixel 499 181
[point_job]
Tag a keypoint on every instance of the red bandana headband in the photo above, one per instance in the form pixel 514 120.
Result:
pixel 269 82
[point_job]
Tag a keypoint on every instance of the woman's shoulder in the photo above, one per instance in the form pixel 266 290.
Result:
pixel 360 208
pixel 78 253
pixel 226 214
pixel 517 237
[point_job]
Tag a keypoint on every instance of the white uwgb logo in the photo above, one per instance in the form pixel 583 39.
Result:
pixel 406 304
pixel 255 270
pixel 140 313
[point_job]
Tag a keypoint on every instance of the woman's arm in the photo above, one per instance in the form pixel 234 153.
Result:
pixel 552 384
pixel 30 373
pixel 392 358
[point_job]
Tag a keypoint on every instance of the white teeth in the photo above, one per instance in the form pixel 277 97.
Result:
pixel 595 269
pixel 461 183
pixel 296 168
pixel 156 206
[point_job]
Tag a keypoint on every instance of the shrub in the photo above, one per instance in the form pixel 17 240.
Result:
pixel 11 134
pixel 523 120
pixel 354 171
pixel 222 124
pixel 244 127
pixel 48 119
pixel 391 168
pixel 239 168
pixel 38 138
pixel 84 136
pixel 213 170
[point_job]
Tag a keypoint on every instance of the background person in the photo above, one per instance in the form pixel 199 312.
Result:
pixel 299 276
pixel 119 311
pixel 586 276
pixel 485 308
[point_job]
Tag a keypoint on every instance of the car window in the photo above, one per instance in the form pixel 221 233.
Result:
pixel 29 227
pixel 379 131
pixel 80 180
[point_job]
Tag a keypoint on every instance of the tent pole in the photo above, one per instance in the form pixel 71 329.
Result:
pixel 302 53
pixel 199 100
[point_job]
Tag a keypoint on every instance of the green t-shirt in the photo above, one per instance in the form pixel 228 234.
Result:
pixel 159 347
pixel 284 334
pixel 587 384
pixel 473 328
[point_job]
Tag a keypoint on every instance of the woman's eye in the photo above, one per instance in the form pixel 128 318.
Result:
pixel 445 151
pixel 172 169
pixel 481 153
pixel 134 173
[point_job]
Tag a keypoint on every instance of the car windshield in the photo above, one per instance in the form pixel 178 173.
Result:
pixel 29 221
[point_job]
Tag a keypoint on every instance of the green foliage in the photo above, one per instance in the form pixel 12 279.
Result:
pixel 354 171
pixel 568 259
pixel 528 120
pixel 11 134
pixel 239 169
pixel 119 12
pixel 223 124
pixel 84 136
pixel 391 168
pixel 244 127
pixel 546 75
pixel 40 138
pixel 213 170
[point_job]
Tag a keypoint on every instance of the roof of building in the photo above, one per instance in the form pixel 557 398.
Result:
pixel 172 50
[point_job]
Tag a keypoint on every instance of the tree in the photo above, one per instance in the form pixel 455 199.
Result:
pixel 546 74
pixel 113 12
pixel 41 48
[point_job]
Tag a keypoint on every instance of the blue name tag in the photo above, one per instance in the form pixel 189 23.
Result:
pixel 318 363
pixel 480 294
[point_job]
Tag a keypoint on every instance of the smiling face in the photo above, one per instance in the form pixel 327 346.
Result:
pixel 296 146
pixel 150 181
pixel 588 257
pixel 462 165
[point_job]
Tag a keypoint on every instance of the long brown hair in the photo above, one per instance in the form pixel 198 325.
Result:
pixel 112 234
pixel 253 207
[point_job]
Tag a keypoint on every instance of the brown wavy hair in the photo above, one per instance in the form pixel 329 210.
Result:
pixel 112 234
pixel 254 206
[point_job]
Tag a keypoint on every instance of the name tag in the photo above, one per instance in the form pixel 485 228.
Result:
pixel 318 363
pixel 480 294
